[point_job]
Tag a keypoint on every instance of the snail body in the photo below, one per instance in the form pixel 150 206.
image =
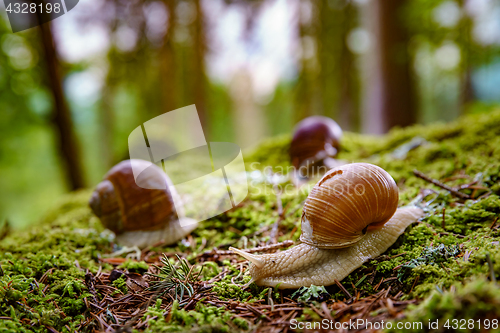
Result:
pixel 341 229
pixel 305 265
pixel 138 215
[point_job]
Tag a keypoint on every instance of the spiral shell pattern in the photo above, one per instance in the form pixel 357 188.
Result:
pixel 123 206
pixel 345 203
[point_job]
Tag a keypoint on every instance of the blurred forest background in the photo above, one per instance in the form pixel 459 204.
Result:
pixel 72 90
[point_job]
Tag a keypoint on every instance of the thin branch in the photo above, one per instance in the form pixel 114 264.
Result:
pixel 439 184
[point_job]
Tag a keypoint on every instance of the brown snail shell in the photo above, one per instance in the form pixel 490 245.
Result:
pixel 345 203
pixel 139 216
pixel 314 139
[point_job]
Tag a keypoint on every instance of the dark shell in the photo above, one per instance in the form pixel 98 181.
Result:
pixel 314 138
pixel 123 206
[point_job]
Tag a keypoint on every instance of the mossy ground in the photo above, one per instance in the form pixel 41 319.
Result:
pixel 43 267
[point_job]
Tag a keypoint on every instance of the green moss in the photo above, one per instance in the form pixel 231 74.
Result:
pixel 228 290
pixel 241 323
pixel 272 152
pixel 474 303
pixel 201 319
pixel 135 266
pixel 43 266
pixel 121 285
pixel 56 253
pixel 25 298
pixel 430 256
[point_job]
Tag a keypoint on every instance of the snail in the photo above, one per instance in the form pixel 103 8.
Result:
pixel 350 216
pixel 316 141
pixel 139 216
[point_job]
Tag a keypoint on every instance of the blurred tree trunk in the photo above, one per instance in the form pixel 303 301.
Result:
pixel 106 118
pixel 106 110
pixel 389 88
pixel 305 89
pixel 167 64
pixel 68 144
pixel 465 40
pixel 348 105
pixel 349 75
pixel 338 74
pixel 328 81
pixel 249 120
pixel 200 79
pixel 328 34
pixel 467 89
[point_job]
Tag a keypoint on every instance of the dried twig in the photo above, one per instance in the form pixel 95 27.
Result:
pixel 494 222
pixel 492 271
pixel 414 283
pixel 343 289
pixel 258 312
pixel 439 184
pixel 449 233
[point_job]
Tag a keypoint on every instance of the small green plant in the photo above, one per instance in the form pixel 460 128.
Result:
pixel 180 278
pixel 134 266
pixel 430 256
pixel 121 285
pixel 306 293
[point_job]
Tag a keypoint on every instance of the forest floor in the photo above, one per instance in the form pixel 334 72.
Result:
pixel 58 276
